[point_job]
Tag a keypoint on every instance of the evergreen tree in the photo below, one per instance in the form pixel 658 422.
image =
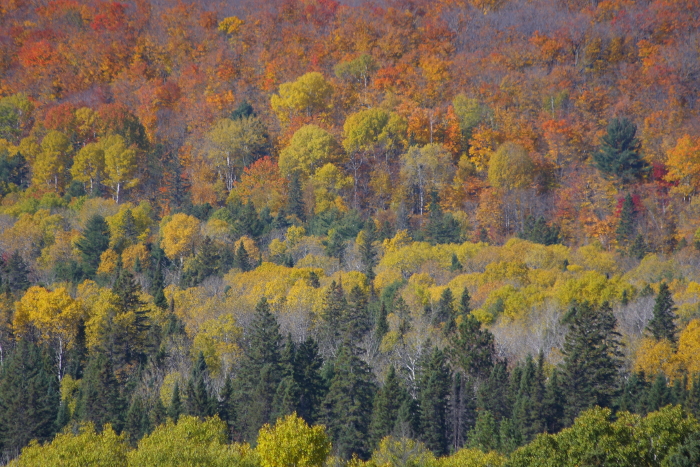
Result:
pixel 226 405
pixel 206 263
pixel 295 199
pixel 198 402
pixel 537 231
pixel 662 326
pixel 485 435
pixel 260 373
pixel 659 394
pixel 527 416
pixel 455 265
pixel 127 338
pixel 92 244
pixel 157 287
pixel 334 314
pixel 441 227
pixel 335 245
pixel 312 389
pixel 434 390
pixel 462 410
pixel 243 110
pixel 242 259
pixel 387 404
pixel 137 424
pixel 356 322
pixel 175 408
pixel 493 393
pixel 592 359
pixel 553 404
pixel 634 392
pixel 29 398
pixel 625 227
pixel 445 313
pixel 638 248
pixel 619 152
pixel 347 407
pixel 16 273
pixel 472 349
pixel 100 400
pixel 368 252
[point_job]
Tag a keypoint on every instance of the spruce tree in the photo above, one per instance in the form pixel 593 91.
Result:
pixel 242 259
pixel 553 404
pixel 472 349
pixel 334 314
pixel 137 424
pixel 295 199
pixel 527 416
pixel 226 405
pixel 347 407
pixel 175 407
pixel 658 395
pixel 368 252
pixel 462 409
pixel 592 359
pixel 100 400
pixel 485 434
pixel 634 393
pixel 445 313
pixel 662 326
pixel 198 402
pixel 260 373
pixel 312 389
pixel 638 248
pixel 493 393
pixel 16 273
pixel 356 322
pixel 434 390
pixel 619 152
pixel 625 227
pixel 92 244
pixel 29 397
pixel 127 343
pixel 455 265
pixel 387 404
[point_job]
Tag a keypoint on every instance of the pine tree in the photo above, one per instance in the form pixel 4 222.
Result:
pixel 260 373
pixel 455 265
pixel 485 435
pixel 368 252
pixel 527 416
pixel 347 407
pixel 472 349
pixel 127 344
pixel 92 244
pixel 100 400
pixel 295 200
pixel 633 397
pixel 619 152
pixel 356 322
pixel 592 359
pixel 553 404
pixel 661 325
pixel 242 259
pixel 434 390
pixel 175 408
pixel 226 405
pixel 658 395
pixel 16 273
pixel 198 402
pixel 334 314
pixel 625 227
pixel 29 398
pixel 387 404
pixel 445 313
pixel 638 248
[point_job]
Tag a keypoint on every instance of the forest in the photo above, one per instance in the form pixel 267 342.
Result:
pixel 350 233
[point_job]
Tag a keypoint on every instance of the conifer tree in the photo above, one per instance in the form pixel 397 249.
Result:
pixel 658 395
pixel 625 227
pixel 445 312
pixel 92 244
pixel 472 349
pixel 553 404
pixel 493 393
pixel 157 286
pixel 334 314
pixel 127 344
pixel 100 400
pixel 16 273
pixel 175 408
pixel 259 376
pixel 307 367
pixel 662 326
pixel 29 397
pixel 387 404
pixel 592 359
pixel 242 259
pixel 455 264
pixel 368 251
pixel 619 152
pixel 226 408
pixel 288 390
pixel 527 416
pixel 633 397
pixel 462 409
pixel 485 434
pixel 198 402
pixel 137 423
pixel 347 407
pixel 295 199
pixel 638 248
pixel 357 320
pixel 434 390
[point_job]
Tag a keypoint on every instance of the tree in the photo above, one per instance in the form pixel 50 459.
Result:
pixel 51 163
pixel 234 144
pixel 683 162
pixel 260 373
pixel 368 251
pixel 308 95
pixel 625 227
pixel 14 172
pixel 425 169
pixel 537 231
pixel 387 405
pixel 198 402
pixel 29 397
pixel 472 349
pixel 100 400
pixel 347 408
pixel 295 201
pixel 511 168
pixel 310 148
pixel 661 325
pixel 89 166
pixel 592 359
pixel 120 164
pixel 433 392
pixel 618 154
pixel 16 272
pixel 292 442
pixel 94 242
pixel 179 236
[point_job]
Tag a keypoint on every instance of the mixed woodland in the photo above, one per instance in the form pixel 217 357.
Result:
pixel 379 233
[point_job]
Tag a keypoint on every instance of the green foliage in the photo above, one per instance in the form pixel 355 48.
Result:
pixel 619 152
pixel 433 390
pixel 93 243
pixel 537 231
pixel 661 325
pixel 291 442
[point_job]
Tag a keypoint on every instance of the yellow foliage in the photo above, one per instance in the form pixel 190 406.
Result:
pixel 130 254
pixel 291 442
pixel 400 240
pixel 590 286
pixel 250 247
pixel 216 339
pixel 218 230
pixel 53 313
pixel 594 257
pixel 329 182
pixel 655 357
pixel 167 387
pixel 108 262
pixel 473 458
pixel 231 25
pixel 689 348
pixel 180 236
pixel 142 223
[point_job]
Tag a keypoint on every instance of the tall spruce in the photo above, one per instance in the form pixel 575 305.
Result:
pixel 175 407
pixel 592 359
pixel 387 405
pixel 554 403
pixel 434 391
pixel 16 273
pixel 92 244
pixel 625 227
pixel 295 199
pixel 100 400
pixel 260 373
pixel 619 152
pixel 472 348
pixel 29 397
pixel 368 251
pixel 528 400
pixel 662 325
pixel 198 401
pixel 347 407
